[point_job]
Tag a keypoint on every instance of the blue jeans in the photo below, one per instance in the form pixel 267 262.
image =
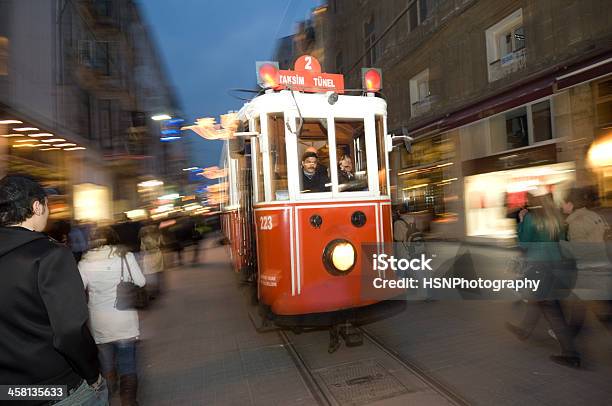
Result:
pixel 85 395
pixel 121 354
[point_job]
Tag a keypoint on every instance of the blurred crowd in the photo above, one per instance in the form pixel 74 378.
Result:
pixel 74 290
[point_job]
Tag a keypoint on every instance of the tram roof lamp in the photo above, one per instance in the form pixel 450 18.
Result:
pixel 371 79
pixel 160 117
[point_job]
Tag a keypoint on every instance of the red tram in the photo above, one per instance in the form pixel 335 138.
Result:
pixel 307 184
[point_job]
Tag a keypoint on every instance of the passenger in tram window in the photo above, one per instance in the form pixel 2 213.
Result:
pixel 345 174
pixel 312 180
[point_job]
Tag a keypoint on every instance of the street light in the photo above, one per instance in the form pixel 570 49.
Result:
pixel 161 117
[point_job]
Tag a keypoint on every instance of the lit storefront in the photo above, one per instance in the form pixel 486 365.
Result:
pixel 29 149
pixel 509 154
pixel 600 153
pixel 428 184
pixel 492 199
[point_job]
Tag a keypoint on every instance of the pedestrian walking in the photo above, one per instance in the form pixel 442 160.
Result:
pixel 43 325
pixel 115 331
pixel 539 232
pixel 152 259
pixel 585 243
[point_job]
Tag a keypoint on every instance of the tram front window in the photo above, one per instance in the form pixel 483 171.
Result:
pixel 278 156
pixel 313 152
pixel 351 154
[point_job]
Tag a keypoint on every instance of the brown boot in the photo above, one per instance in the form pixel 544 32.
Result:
pixel 128 385
pixel 111 384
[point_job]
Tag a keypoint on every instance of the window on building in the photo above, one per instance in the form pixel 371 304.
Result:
pixel 4 56
pixel 104 115
pixel 339 63
pixel 517 130
pixel 418 12
pixel 419 93
pixel 413 15
pixel 510 41
pixel 86 53
pixel 423 11
pixel 105 57
pixel 351 155
pixel 314 157
pixel 505 46
pixel 542 124
pixel 521 127
pixel 604 104
pixel 278 156
pixel 368 42
pixel 104 8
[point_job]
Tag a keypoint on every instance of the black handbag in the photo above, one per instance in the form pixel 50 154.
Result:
pixel 129 295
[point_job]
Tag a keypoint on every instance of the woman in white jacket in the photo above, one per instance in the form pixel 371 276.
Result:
pixel 115 331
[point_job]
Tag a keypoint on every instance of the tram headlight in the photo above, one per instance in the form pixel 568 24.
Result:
pixel 339 257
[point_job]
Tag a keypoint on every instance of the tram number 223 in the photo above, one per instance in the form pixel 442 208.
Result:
pixel 265 223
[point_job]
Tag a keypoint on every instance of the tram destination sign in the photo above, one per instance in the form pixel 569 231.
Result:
pixel 306 77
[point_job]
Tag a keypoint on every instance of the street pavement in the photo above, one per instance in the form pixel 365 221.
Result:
pixel 198 347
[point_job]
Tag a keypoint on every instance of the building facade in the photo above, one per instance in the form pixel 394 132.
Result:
pixel 83 78
pixel 500 97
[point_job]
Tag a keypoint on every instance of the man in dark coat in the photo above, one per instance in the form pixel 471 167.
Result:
pixel 43 322
pixel 313 180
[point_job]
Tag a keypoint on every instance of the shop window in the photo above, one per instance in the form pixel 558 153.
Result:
pixel 419 94
pixel 382 154
pixel 509 130
pixel 278 156
pixel 493 199
pixel 4 55
pixel 351 154
pixel 314 157
pixel 506 46
pixel 604 103
pixel 521 127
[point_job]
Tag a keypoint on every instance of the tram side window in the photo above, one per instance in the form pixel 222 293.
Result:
pixel 261 194
pixel 313 153
pixel 278 156
pixel 382 152
pixel 351 154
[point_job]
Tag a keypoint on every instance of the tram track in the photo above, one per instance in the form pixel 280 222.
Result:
pixel 312 384
pixel 321 394
pixel 434 383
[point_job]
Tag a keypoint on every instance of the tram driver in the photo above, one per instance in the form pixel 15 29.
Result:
pixel 313 180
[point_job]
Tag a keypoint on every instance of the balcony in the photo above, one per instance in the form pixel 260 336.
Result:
pixel 507 64
pixel 422 106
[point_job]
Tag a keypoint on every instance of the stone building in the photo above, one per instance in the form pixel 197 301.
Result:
pixel 84 73
pixel 501 97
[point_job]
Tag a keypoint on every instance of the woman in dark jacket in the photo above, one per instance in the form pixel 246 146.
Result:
pixel 539 232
